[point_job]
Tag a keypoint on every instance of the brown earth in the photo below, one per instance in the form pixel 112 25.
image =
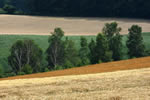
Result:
pixel 32 25
pixel 92 69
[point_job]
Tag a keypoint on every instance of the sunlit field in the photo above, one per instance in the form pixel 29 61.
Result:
pixel 121 85
pixel 35 25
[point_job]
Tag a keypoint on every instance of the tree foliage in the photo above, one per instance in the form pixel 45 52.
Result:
pixel 55 51
pixel 25 53
pixel 71 54
pixel 84 51
pixel 135 43
pixel 9 9
pixel 92 54
pixel 112 32
pixel 99 50
pixel 101 8
pixel 27 69
pixel 1 71
pixel 102 49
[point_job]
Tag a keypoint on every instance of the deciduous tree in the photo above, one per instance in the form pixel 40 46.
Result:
pixel 112 32
pixel 55 51
pixel 25 53
pixel 84 51
pixel 135 43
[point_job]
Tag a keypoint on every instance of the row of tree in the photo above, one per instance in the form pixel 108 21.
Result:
pixel 102 8
pixel 26 57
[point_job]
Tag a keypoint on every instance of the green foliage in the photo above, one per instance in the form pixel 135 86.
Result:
pixel 21 73
pixel 2 11
pixel 10 9
pixel 84 52
pixel 55 51
pixel 25 53
pixel 6 41
pixel 68 64
pixel 147 52
pixel 27 69
pixel 116 47
pixel 10 74
pixel 136 47
pixel 112 31
pixel 1 71
pixel 92 54
pixel 71 54
pixel 100 8
pixel 57 67
pixel 19 12
pixel 102 49
pixel 100 61
pixel 46 70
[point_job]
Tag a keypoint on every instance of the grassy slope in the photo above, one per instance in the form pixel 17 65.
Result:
pixel 6 42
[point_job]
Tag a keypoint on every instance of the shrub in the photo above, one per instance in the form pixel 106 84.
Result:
pixel 100 61
pixel 27 69
pixel 1 72
pixel 2 11
pixel 19 12
pixel 9 9
pixel 68 64
pixel 58 67
pixel 20 73
pixel 9 74
pixel 46 70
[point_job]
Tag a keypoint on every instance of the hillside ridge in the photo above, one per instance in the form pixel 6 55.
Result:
pixel 136 63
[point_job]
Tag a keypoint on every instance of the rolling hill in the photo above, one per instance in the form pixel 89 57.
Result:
pixel 94 85
pixel 93 69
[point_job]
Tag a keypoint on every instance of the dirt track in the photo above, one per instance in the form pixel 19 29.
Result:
pixel 92 69
pixel 15 24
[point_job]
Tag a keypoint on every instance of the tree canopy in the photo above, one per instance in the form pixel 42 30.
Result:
pixel 101 8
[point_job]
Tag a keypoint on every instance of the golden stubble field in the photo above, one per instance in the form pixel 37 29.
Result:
pixel 34 25
pixel 120 85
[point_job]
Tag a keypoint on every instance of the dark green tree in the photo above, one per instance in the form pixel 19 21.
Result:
pixel 71 55
pixel 25 53
pixel 84 51
pixel 92 54
pixel 116 47
pixel 27 69
pixel 55 51
pixel 135 43
pixel 112 32
pixel 111 29
pixel 1 71
pixel 10 9
pixel 15 59
pixel 103 54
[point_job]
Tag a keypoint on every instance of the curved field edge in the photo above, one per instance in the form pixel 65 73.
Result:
pixel 92 69
pixel 120 85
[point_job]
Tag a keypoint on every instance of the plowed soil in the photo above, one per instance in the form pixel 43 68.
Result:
pixel 34 25
pixel 92 69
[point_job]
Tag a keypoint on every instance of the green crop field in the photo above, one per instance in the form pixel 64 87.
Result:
pixel 6 42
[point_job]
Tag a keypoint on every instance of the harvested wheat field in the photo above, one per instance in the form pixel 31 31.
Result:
pixel 83 83
pixel 121 85
pixel 92 69
pixel 30 25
